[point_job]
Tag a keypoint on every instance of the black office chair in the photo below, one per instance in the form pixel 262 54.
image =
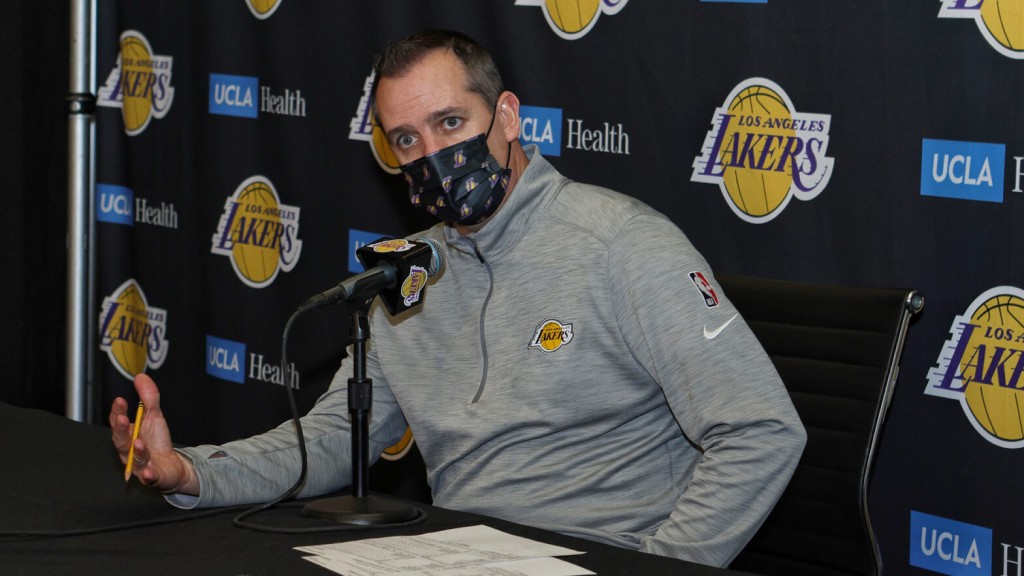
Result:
pixel 837 349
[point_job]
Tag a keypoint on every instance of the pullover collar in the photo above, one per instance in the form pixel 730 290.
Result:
pixel 523 206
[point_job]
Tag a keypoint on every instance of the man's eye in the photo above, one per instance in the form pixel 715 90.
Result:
pixel 452 123
pixel 404 141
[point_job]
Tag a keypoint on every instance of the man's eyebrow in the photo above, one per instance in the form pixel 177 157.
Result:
pixel 446 112
pixel 431 118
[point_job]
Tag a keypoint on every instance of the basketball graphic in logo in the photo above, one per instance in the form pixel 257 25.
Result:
pixel 1001 22
pixel 401 448
pixel 131 312
pixel 258 233
pixel 140 84
pixel 981 366
pixel 996 406
pixel 573 19
pixel 263 9
pixel 757 193
pixel 762 152
pixel 1004 19
pixel 551 335
pixel 132 333
pixel 135 62
pixel 382 150
pixel 255 261
pixel 571 16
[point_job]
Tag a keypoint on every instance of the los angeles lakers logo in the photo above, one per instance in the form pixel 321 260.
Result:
pixel 392 245
pixel 263 9
pixel 132 333
pixel 413 285
pixel 1001 22
pixel 980 366
pixel 573 19
pixel 364 127
pixel 139 84
pixel 761 152
pixel 258 233
pixel 551 335
pixel 400 448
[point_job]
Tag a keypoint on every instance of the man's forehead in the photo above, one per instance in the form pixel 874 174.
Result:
pixel 435 84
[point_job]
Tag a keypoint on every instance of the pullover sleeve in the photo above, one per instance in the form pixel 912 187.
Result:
pixel 722 388
pixel 261 468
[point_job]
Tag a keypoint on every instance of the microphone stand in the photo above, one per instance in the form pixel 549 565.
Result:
pixel 360 508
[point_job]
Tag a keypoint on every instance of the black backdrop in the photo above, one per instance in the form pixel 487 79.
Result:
pixel 33 166
pixel 914 104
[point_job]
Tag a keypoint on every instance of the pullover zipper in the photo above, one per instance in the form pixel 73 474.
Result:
pixel 483 312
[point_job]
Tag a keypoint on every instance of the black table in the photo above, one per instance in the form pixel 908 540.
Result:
pixel 60 476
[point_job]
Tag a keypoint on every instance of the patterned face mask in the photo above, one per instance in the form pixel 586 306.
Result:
pixel 460 184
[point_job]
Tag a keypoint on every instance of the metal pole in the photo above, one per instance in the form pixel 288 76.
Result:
pixel 81 106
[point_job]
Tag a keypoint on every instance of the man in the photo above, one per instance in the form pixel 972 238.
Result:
pixel 575 368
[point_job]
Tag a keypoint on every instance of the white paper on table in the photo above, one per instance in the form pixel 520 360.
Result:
pixel 447 549
pixel 529 567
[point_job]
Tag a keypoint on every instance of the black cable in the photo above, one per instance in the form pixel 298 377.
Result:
pixel 115 527
pixel 240 520
pixel 291 492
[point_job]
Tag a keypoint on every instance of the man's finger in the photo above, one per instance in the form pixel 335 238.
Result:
pixel 148 391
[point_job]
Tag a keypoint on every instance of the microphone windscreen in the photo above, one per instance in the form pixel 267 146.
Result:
pixel 437 258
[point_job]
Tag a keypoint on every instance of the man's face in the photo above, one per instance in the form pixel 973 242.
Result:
pixel 430 108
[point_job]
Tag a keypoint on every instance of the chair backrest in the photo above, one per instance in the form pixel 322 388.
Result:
pixel 837 349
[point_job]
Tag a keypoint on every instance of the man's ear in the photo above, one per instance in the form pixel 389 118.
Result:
pixel 508 114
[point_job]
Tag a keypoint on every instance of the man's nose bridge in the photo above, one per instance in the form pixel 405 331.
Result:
pixel 431 144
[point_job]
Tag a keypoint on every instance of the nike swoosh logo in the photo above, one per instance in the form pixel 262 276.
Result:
pixel 712 334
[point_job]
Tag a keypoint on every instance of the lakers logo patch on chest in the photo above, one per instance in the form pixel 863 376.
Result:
pixel 551 335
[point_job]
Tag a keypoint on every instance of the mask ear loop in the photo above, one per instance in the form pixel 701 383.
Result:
pixel 508 157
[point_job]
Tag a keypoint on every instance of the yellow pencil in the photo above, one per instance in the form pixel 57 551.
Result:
pixel 131 448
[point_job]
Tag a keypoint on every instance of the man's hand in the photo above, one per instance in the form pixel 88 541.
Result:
pixel 156 463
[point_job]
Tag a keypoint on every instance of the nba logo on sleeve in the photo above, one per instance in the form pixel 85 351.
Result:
pixel 705 289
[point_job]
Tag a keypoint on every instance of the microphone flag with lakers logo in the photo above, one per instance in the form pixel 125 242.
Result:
pixel 396 268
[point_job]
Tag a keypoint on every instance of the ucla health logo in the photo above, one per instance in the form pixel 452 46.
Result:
pixel 980 366
pixel 139 84
pixel 949 547
pixel 543 127
pixel 966 170
pixel 225 359
pixel 263 9
pixel 244 97
pixel 572 19
pixel 258 233
pixel 234 95
pixel 132 333
pixel 761 152
pixel 115 204
pixel 1001 22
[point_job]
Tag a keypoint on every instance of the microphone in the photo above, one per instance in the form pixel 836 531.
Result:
pixel 395 267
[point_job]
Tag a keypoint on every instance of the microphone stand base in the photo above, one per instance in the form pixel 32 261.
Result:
pixel 363 511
